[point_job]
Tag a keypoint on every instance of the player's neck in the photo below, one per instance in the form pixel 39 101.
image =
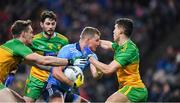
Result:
pixel 122 40
pixel 82 44
pixel 22 40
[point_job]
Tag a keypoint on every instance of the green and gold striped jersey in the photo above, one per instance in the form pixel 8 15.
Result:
pixel 11 54
pixel 46 47
pixel 127 56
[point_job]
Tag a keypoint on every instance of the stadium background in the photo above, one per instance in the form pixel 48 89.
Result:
pixel 157 34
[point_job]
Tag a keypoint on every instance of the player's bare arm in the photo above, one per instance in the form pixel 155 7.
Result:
pixel 96 73
pixel 58 74
pixel 106 69
pixel 46 60
pixel 106 44
pixel 42 67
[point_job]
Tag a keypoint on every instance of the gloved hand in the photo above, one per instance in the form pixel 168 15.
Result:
pixel 87 52
pixel 79 81
pixel 80 62
pixel 77 62
pixel 9 80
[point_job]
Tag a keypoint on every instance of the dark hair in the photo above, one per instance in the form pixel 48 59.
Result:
pixel 127 24
pixel 48 14
pixel 19 26
pixel 90 31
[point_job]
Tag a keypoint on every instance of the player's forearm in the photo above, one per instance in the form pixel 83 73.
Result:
pixel 103 67
pixel 46 60
pixel 64 80
pixel 58 74
pixel 42 67
pixel 96 73
pixel 54 61
pixel 106 44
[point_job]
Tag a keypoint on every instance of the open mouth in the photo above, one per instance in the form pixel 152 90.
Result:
pixel 49 32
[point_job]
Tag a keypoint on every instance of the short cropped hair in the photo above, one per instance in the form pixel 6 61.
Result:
pixel 48 14
pixel 127 24
pixel 19 26
pixel 89 32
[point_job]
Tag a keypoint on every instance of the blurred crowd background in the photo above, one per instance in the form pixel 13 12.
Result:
pixel 156 33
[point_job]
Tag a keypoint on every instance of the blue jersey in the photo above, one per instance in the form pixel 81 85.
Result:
pixel 69 51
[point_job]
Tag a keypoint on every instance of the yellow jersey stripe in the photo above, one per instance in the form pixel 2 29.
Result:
pixel 129 88
pixel 38 36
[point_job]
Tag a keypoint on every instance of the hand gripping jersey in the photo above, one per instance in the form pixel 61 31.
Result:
pixel 46 47
pixel 11 54
pixel 127 56
pixel 69 51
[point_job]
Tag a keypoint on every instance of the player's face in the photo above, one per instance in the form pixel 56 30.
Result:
pixel 48 26
pixel 28 35
pixel 94 42
pixel 118 30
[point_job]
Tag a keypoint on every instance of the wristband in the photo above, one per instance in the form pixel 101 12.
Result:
pixel 70 62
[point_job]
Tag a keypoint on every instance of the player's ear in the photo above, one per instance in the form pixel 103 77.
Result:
pixel 22 34
pixel 87 40
pixel 41 24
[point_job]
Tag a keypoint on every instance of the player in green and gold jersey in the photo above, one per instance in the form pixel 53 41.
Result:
pixel 46 43
pixel 125 64
pixel 15 51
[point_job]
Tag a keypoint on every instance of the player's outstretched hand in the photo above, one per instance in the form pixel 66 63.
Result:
pixel 79 81
pixel 87 52
pixel 9 79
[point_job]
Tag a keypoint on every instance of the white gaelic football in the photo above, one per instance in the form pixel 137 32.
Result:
pixel 72 72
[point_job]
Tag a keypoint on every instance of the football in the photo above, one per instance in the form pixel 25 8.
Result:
pixel 72 72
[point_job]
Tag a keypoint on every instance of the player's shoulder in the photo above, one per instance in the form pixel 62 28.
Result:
pixel 38 36
pixel 67 49
pixel 128 47
pixel 60 36
pixel 131 45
